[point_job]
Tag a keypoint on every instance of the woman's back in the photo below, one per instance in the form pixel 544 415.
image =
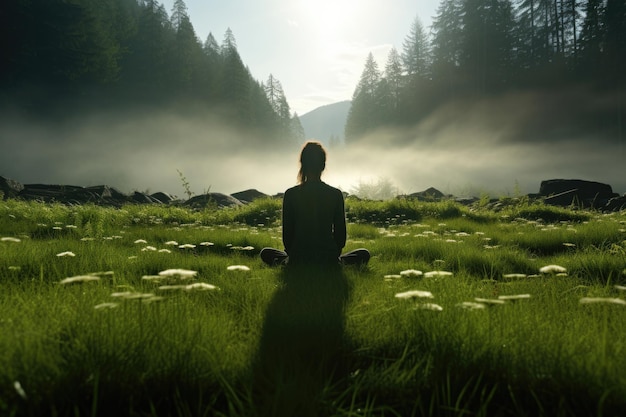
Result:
pixel 314 227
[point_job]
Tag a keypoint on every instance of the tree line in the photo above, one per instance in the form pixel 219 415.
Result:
pixel 127 53
pixel 482 48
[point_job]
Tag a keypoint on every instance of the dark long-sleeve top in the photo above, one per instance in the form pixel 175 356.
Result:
pixel 314 222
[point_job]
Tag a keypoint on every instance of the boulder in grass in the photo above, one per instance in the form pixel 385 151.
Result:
pixel 430 194
pixel 248 196
pixel 164 198
pixel 50 192
pixel 212 199
pixel 10 188
pixel 143 198
pixel 616 204
pixel 566 192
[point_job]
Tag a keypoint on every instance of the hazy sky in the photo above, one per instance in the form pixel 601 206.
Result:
pixel 316 48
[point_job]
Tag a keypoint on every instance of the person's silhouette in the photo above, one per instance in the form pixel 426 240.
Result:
pixel 314 223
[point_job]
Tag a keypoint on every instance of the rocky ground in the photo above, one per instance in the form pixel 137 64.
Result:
pixel 559 192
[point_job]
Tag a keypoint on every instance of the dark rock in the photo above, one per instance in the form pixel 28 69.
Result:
pixel 248 196
pixel 466 201
pixel 70 194
pixel 143 198
pixel 108 196
pixel 616 204
pixel 164 198
pixel 561 192
pixel 430 194
pixel 213 199
pixel 50 192
pixel 10 188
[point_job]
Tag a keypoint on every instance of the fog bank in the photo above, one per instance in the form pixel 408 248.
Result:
pixel 143 152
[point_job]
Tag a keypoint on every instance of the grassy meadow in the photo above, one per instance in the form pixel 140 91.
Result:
pixel 517 310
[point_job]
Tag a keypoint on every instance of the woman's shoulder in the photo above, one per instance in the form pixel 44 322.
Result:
pixel 331 189
pixel 292 190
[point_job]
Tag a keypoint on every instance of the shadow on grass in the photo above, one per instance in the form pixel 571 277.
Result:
pixel 300 349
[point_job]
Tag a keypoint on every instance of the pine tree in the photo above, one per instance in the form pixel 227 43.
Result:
pixel 211 47
pixel 277 100
pixel 416 51
pixel 394 82
pixel 186 63
pixel 592 38
pixel 447 40
pixel 297 131
pixel 235 81
pixel 365 111
pixel 615 40
pixel 487 42
pixel 179 14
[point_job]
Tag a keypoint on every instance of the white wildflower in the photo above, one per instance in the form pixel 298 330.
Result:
pixel 514 297
pixel 141 241
pixel 429 306
pixel 620 287
pixel 569 245
pixel 132 295
pixel 602 300
pixel 154 298
pixel 10 239
pixel 149 249
pixel 87 239
pixel 200 286
pixel 432 274
pixel 152 277
pixel 103 306
pixel 414 294
pixel 489 247
pixel 71 226
pixel 187 246
pixel 514 276
pixel 64 254
pixel 489 301
pixel 469 305
pixel 238 268
pixel 411 273
pixel 552 269
pixel 57 228
pixel 207 243
pixel 172 287
pixel 20 391
pixel 392 276
pixel 79 278
pixel 242 248
pixel 171 243
pixel 180 273
pixel 165 251
pixel 102 273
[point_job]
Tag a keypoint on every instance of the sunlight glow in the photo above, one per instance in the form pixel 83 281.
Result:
pixel 329 13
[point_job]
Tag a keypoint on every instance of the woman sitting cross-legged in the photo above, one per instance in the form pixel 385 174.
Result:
pixel 314 222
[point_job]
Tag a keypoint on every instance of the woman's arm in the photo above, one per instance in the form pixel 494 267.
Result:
pixel 288 222
pixel 339 223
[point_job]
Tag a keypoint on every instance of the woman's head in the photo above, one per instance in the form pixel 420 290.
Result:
pixel 312 162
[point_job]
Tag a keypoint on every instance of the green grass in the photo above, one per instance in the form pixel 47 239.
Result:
pixel 311 342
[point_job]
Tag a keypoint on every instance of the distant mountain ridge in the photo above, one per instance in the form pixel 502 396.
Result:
pixel 326 121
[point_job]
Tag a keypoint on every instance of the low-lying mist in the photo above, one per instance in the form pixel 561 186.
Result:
pixel 463 156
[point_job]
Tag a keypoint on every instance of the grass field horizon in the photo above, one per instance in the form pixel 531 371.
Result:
pixel 155 310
